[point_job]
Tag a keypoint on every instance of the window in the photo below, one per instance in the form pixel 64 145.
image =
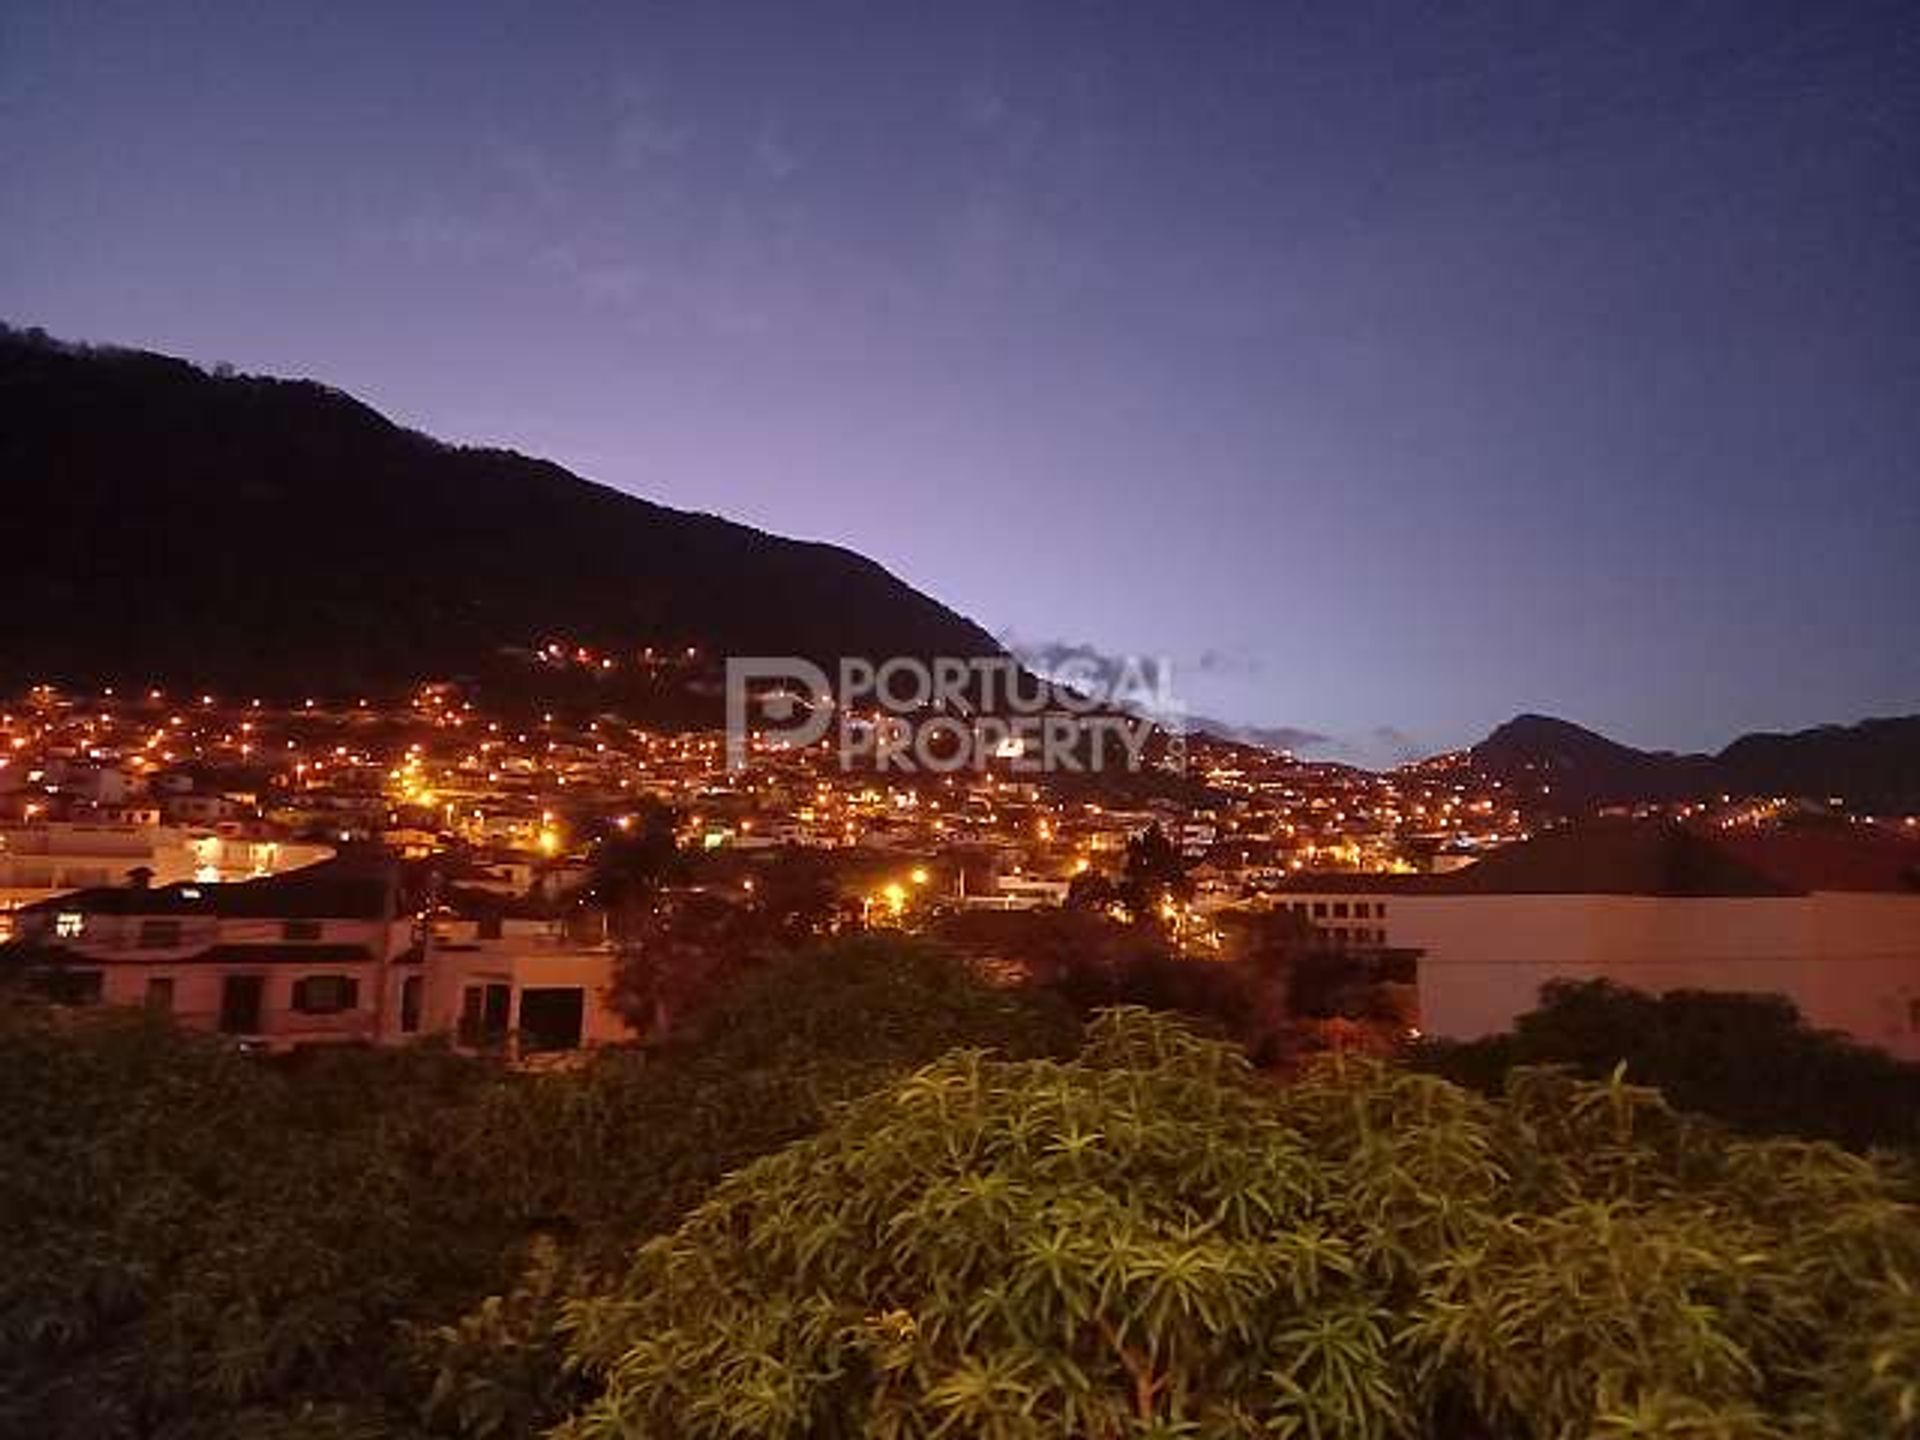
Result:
pixel 325 994
pixel 1339 909
pixel 300 930
pixel 1399 969
pixel 552 1018
pixel 160 994
pixel 71 987
pixel 69 925
pixel 240 997
pixel 485 1012
pixel 1319 909
pixel 410 1005
pixel 159 934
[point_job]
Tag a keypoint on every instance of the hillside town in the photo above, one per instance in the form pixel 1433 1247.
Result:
pixel 320 872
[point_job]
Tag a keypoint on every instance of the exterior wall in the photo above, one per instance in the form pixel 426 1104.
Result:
pixel 38 862
pixel 1850 962
pixel 111 945
pixel 198 989
pixel 527 955
pixel 1868 983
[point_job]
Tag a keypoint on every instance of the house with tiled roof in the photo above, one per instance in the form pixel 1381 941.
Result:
pixel 288 960
pixel 355 950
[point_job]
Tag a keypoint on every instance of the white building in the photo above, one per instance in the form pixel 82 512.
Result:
pixel 41 860
pixel 1018 892
pixel 298 959
pixel 334 953
pixel 531 987
pixel 1828 916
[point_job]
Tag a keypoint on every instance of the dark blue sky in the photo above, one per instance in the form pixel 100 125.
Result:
pixel 1412 365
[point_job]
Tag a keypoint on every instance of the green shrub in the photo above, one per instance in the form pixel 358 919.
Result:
pixel 191 1233
pixel 1746 1060
pixel 203 1243
pixel 1149 1240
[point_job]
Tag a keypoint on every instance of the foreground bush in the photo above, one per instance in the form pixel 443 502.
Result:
pixel 1747 1060
pixel 190 1234
pixel 597 1160
pixel 198 1243
pixel 1150 1241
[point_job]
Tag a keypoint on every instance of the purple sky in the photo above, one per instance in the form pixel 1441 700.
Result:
pixel 1413 366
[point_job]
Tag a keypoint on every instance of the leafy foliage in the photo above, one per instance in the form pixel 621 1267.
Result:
pixel 1704 1051
pixel 624 1145
pixel 1093 962
pixel 1152 876
pixel 1149 1240
pixel 191 1234
pixel 201 1243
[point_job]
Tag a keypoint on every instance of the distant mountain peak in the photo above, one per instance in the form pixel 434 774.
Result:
pixel 1872 766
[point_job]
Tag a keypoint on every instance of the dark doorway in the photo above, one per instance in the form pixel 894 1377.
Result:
pixel 485 1012
pixel 240 1004
pixel 551 1019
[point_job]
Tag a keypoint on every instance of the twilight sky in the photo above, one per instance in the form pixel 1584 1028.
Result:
pixel 1383 365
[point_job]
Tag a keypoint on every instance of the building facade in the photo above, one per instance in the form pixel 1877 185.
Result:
pixel 45 859
pixel 1828 917
pixel 341 952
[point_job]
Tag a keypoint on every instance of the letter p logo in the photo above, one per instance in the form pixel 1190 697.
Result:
pixel 784 695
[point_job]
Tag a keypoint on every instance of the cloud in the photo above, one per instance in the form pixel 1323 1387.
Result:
pixel 531 170
pixel 1399 744
pixel 1268 737
pixel 607 282
pixel 642 131
pixel 1045 655
pixel 1221 662
pixel 433 236
pixel 773 155
pixel 1138 683
pixel 1384 747
pixel 1380 748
